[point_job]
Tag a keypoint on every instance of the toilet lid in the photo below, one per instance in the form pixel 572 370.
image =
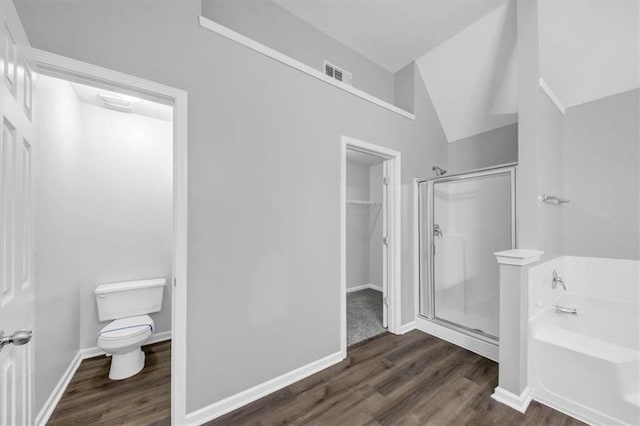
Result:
pixel 126 327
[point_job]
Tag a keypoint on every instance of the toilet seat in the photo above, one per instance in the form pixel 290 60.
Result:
pixel 126 328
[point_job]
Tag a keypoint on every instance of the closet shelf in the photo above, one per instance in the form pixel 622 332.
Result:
pixel 364 203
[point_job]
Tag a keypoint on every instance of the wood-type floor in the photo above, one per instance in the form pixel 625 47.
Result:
pixel 414 379
pixel 144 399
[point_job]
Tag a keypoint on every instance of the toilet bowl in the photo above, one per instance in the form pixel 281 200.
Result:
pixel 126 305
pixel 123 338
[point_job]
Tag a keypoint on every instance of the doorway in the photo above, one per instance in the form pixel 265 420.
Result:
pixel 103 185
pixel 370 224
pixel 22 66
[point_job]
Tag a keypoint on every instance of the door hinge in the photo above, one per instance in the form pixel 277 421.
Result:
pixel 386 300
pixel 175 282
pixel 386 180
pixel 385 241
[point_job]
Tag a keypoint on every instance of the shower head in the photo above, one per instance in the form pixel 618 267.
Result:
pixel 438 170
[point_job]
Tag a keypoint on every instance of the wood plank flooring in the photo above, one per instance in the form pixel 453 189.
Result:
pixel 415 379
pixel 91 398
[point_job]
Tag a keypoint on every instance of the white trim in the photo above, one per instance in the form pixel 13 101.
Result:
pixel 416 248
pixel 49 406
pixel 405 328
pixel 394 284
pixel 551 94
pixel 95 351
pixel 364 287
pixel 343 249
pixel 72 68
pixel 584 414
pixel 245 397
pixel 479 346
pixel 517 402
pixel 287 60
pixel 91 352
pixel 518 257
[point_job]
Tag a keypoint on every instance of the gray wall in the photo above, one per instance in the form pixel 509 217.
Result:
pixel 57 296
pixel 264 173
pixel 357 223
pixel 127 206
pixel 528 78
pixel 404 87
pixel 549 140
pixel 276 27
pixel 602 177
pixel 364 225
pixel 498 146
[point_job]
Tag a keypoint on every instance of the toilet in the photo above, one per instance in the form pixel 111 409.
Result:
pixel 127 305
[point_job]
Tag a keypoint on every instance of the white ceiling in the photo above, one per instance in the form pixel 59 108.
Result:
pixel 472 77
pixel 362 159
pixel 90 95
pixel 589 49
pixel 391 33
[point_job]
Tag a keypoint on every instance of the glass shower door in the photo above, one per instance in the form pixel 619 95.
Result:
pixel 465 219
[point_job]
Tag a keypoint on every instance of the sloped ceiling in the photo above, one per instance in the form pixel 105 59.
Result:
pixel 472 77
pixel 390 33
pixel 589 49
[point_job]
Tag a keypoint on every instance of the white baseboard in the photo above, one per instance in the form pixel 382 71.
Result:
pixel 364 287
pixel 577 411
pixel 517 402
pixel 479 346
pixel 245 397
pixel 405 328
pixel 96 351
pixel 47 409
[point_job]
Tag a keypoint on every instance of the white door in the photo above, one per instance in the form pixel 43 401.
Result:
pixel 386 241
pixel 16 224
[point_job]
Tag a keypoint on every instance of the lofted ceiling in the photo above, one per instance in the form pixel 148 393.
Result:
pixel 391 33
pixel 589 49
pixel 472 77
pixel 465 50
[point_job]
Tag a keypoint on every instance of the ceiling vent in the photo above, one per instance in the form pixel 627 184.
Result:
pixel 337 73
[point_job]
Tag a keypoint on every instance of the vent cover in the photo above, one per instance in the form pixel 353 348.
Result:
pixel 337 73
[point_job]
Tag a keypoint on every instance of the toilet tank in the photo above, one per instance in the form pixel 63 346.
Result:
pixel 129 298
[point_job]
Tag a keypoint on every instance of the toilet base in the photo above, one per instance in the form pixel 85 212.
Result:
pixel 126 365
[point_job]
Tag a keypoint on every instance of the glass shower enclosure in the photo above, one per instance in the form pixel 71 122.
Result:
pixel 463 220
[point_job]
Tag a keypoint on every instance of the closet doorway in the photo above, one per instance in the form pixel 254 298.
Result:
pixel 370 189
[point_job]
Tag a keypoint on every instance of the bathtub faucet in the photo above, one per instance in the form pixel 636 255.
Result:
pixel 564 310
pixel 557 280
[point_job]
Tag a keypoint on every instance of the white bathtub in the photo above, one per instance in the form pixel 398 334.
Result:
pixel 587 365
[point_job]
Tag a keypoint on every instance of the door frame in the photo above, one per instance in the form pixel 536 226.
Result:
pixel 392 160
pixel 70 69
